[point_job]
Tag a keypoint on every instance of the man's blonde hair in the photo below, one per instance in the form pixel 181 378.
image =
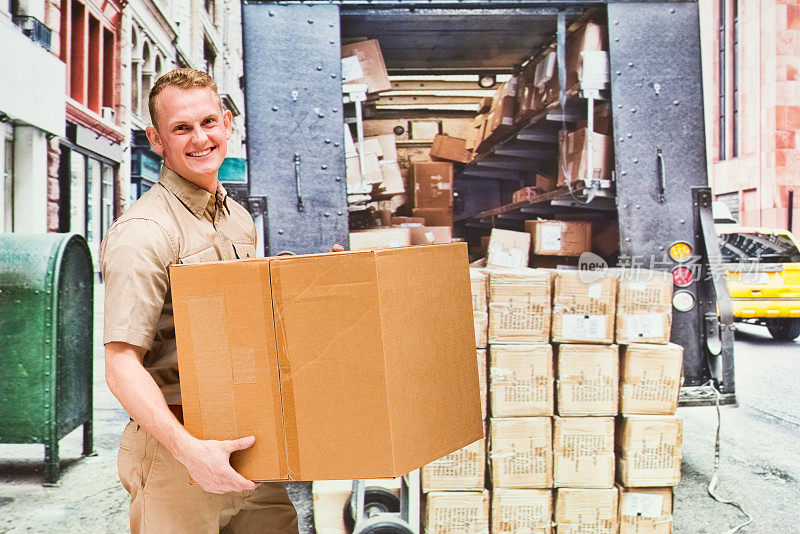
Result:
pixel 185 78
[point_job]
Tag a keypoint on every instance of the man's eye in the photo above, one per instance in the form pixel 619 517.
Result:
pixel 180 127
pixel 208 121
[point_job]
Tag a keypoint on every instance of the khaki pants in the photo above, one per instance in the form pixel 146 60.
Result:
pixel 163 500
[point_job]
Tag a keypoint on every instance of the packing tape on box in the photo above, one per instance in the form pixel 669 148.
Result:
pixel 209 330
pixel 287 408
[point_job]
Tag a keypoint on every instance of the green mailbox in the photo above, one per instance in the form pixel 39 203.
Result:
pixel 46 314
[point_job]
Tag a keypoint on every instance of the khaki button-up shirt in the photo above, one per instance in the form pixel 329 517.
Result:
pixel 174 222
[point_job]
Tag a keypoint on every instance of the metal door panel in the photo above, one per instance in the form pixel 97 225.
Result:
pixel 293 98
pixel 659 142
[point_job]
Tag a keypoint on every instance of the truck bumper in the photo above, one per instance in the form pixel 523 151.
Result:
pixel 757 309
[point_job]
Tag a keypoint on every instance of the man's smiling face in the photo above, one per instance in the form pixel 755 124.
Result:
pixel 191 133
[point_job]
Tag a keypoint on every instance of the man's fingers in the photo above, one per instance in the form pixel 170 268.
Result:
pixel 241 443
pixel 337 248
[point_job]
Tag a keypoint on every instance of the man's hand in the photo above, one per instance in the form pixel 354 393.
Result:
pixel 208 463
pixel 337 248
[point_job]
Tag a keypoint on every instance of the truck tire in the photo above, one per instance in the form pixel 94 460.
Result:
pixel 784 329
pixel 383 525
pixel 377 500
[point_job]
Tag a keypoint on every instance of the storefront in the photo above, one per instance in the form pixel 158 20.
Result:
pixel 145 165
pixel 87 180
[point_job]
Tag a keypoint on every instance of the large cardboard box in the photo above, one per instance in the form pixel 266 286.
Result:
pixel 380 238
pixel 650 378
pixel 592 36
pixel 508 249
pixel 294 350
pixel 362 62
pixel 451 149
pixel 475 134
pixel 583 452
pixel 478 281
pixel 522 510
pixel 559 238
pixel 483 381
pixel 519 305
pixel 645 510
pixel 330 496
pixel 605 239
pixel 434 216
pixel 521 452
pixel 580 511
pixel 499 122
pixel 433 185
pixel 430 235
pixel 464 469
pixel 457 512
pixel 644 306
pixel 392 176
pixel 388 146
pixel 372 169
pixel 588 380
pixel 649 450
pixel 574 161
pixel 583 309
pixel 521 380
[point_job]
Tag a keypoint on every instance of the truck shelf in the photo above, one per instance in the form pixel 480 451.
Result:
pixel 585 198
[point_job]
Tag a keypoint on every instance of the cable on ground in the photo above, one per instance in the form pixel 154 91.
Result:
pixel 712 486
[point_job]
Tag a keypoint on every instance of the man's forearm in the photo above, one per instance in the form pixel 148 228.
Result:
pixel 138 393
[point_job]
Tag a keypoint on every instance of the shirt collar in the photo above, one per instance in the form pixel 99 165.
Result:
pixel 193 197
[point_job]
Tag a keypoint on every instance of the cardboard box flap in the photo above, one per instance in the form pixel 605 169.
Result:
pixel 231 300
pixel 342 294
pixel 431 296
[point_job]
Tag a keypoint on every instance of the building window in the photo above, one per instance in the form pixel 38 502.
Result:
pixel 77 53
pixel 210 6
pixel 87 48
pixel 210 56
pixel 90 196
pixel 728 73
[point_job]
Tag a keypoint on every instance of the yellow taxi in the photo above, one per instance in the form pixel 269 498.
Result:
pixel 763 276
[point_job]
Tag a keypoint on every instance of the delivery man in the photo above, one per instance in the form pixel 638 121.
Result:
pixel 186 217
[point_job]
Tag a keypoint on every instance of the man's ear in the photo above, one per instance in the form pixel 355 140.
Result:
pixel 227 120
pixel 155 140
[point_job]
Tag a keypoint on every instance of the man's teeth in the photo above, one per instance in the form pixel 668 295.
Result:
pixel 201 153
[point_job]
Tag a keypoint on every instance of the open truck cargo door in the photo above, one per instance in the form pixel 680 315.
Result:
pixel 659 193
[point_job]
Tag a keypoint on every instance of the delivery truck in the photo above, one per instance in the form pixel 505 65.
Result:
pixel 655 189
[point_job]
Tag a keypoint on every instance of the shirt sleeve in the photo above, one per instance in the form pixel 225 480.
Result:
pixel 135 259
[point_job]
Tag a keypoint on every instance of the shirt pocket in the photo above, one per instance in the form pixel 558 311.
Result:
pixel 244 250
pixel 206 253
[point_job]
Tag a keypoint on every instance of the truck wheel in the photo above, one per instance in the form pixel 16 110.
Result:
pixel 784 329
pixel 377 500
pixel 383 525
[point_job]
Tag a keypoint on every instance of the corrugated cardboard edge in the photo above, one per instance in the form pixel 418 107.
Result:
pixel 395 468
pixel 291 460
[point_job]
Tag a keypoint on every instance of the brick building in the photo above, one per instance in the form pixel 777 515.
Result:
pixel 73 102
pixel 751 61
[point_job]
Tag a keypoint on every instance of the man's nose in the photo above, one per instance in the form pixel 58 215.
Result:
pixel 199 136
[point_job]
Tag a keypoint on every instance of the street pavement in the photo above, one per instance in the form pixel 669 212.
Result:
pixel 760 464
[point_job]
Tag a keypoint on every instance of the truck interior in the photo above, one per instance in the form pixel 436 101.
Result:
pixel 441 62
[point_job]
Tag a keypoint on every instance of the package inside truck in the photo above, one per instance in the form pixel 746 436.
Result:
pixel 544 136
